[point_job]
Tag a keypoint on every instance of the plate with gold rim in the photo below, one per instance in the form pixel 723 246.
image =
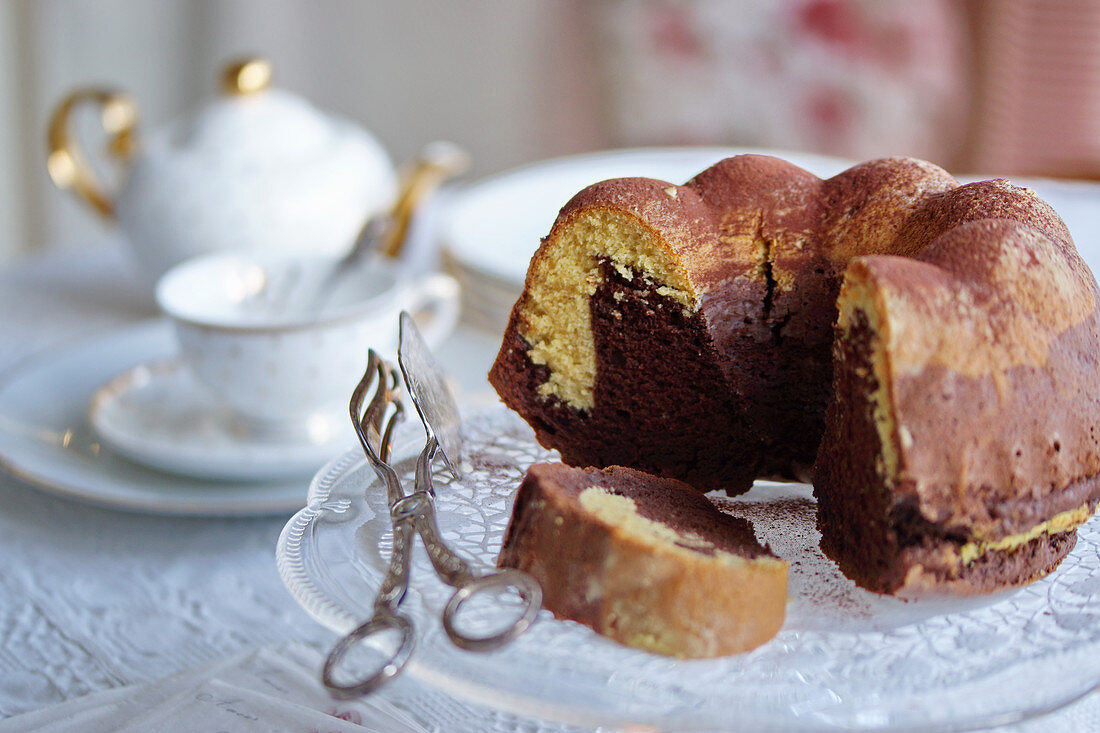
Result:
pixel 46 437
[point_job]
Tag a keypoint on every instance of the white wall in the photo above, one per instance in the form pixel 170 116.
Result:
pixel 13 178
pixel 507 79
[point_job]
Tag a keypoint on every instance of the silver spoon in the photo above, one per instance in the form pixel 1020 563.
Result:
pixel 386 234
pixel 383 236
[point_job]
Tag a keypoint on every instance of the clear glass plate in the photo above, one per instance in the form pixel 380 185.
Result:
pixel 845 658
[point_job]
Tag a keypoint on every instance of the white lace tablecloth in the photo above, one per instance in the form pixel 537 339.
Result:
pixel 92 599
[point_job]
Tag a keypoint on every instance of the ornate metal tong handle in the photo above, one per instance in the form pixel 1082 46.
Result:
pixel 411 515
pixel 375 427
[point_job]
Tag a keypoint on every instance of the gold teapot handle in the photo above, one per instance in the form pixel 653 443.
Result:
pixel 67 164
pixel 437 162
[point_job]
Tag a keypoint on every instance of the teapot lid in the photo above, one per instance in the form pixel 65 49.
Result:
pixel 253 126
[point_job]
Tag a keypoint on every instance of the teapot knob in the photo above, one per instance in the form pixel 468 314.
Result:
pixel 246 76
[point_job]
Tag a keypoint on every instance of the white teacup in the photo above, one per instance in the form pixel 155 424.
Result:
pixel 285 364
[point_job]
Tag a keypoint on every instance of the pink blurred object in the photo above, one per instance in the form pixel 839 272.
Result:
pixel 1038 108
pixel 857 78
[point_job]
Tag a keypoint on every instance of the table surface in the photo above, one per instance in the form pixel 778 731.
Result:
pixel 92 599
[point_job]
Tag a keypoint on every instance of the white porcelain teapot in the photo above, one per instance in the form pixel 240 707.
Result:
pixel 257 169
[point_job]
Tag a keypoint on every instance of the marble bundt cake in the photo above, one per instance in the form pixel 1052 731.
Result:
pixel 647 561
pixel 949 425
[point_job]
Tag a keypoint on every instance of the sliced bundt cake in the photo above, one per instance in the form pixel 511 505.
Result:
pixel 689 331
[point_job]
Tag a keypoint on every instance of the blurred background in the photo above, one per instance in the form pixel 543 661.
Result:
pixel 998 87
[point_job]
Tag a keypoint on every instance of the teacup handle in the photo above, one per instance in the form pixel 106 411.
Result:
pixel 68 165
pixel 433 303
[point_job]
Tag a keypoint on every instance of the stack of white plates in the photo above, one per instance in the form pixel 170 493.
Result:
pixel 486 299
pixel 490 229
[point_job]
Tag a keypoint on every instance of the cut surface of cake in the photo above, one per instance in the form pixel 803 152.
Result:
pixel 646 561
pixel 927 352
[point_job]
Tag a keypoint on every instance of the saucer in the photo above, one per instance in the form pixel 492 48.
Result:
pixel 158 414
pixel 45 437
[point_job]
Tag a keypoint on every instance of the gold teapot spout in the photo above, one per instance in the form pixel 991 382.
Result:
pixel 437 162
pixel 67 163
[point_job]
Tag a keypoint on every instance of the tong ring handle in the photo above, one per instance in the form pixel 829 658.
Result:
pixel 529 590
pixel 390 668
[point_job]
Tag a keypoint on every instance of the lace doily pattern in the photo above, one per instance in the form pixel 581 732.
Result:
pixel 845 657
pixel 92 599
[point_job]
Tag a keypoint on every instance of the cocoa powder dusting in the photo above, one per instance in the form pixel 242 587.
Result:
pixel 787 525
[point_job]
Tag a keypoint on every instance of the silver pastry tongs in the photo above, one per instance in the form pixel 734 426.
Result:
pixel 414 513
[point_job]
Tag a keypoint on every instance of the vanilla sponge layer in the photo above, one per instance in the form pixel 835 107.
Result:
pixel 674 593
pixel 1059 523
pixel 555 319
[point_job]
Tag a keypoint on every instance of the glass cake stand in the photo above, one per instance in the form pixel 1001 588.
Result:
pixel 845 658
